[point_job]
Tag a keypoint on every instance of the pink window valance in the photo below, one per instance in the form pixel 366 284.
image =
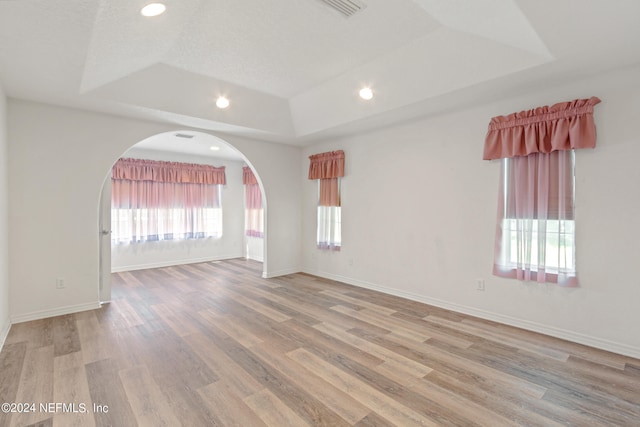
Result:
pixel 248 177
pixel 169 172
pixel 327 165
pixel 562 126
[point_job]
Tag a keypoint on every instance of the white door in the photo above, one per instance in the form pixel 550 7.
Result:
pixel 105 241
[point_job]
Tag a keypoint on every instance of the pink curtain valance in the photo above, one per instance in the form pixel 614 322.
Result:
pixel 169 172
pixel 248 177
pixel 562 126
pixel 327 165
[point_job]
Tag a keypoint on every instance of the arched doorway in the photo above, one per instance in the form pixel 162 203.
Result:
pixel 189 147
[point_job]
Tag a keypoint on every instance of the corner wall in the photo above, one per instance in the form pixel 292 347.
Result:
pixel 419 211
pixel 4 226
pixel 278 167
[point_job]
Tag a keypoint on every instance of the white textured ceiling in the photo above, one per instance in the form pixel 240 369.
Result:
pixel 192 143
pixel 292 69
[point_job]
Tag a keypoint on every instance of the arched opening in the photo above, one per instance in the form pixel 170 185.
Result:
pixel 185 147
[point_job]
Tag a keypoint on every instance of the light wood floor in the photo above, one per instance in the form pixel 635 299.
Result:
pixel 213 344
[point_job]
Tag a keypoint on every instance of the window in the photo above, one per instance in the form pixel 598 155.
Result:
pixel 535 231
pixel 539 237
pixel 557 252
pixel 254 213
pixel 329 225
pixel 152 201
pixel 328 168
pixel 152 224
pixel 537 228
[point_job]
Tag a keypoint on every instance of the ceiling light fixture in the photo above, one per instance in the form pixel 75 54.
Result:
pixel 222 102
pixel 153 9
pixel 214 148
pixel 366 93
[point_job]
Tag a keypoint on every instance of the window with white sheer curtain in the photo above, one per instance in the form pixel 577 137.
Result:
pixel 154 201
pixel 538 230
pixel 328 169
pixel 535 230
pixel 329 221
pixel 254 213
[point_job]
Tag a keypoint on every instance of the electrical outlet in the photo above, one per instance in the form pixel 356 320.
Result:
pixel 480 284
pixel 59 283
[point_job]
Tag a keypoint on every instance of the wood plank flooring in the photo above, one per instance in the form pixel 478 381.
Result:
pixel 213 344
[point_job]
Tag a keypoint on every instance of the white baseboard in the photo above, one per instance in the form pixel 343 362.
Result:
pixel 6 326
pixel 43 314
pixel 171 263
pixel 575 337
pixel 277 273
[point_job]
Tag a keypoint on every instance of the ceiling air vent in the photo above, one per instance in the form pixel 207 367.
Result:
pixel 183 135
pixel 346 8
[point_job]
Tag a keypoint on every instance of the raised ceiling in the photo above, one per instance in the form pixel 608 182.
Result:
pixel 293 69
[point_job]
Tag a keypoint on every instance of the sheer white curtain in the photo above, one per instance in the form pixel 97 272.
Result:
pixel 139 218
pixel 153 201
pixel 254 213
pixel 535 231
pixel 328 168
pixel 329 230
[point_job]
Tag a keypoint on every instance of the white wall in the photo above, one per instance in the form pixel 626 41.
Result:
pixel 162 253
pixel 278 169
pixel 59 159
pixel 419 211
pixel 254 248
pixel 4 210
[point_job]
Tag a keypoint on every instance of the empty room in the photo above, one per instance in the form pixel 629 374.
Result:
pixel 319 213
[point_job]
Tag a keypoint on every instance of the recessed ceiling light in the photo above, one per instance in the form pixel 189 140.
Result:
pixel 366 93
pixel 214 148
pixel 222 102
pixel 153 9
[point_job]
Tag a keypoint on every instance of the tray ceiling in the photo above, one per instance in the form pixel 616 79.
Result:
pixel 292 69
